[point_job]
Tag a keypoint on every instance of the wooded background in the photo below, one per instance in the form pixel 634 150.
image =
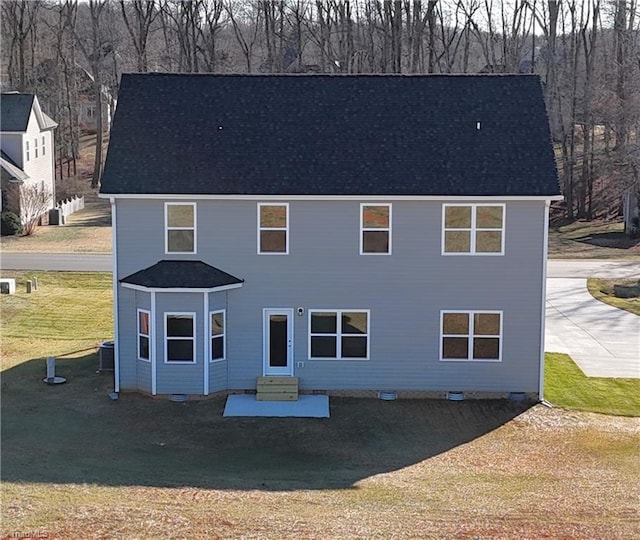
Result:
pixel 586 52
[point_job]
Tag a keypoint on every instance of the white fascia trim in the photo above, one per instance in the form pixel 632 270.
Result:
pixel 116 292
pixel 180 289
pixel 543 304
pixel 205 196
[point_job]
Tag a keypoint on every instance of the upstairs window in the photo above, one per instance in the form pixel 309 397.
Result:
pixel 26 150
pixel 180 227
pixel 273 228
pixel 217 335
pixel 143 334
pixel 375 229
pixel 43 147
pixel 339 334
pixel 35 147
pixel 180 337
pixel 471 335
pixel 473 229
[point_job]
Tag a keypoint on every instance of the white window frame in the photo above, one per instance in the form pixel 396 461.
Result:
pixel 43 146
pixel 364 229
pixel 471 335
pixel 473 230
pixel 141 334
pixel 223 336
pixel 26 150
pixel 167 228
pixel 35 148
pixel 286 229
pixel 168 314
pixel 338 335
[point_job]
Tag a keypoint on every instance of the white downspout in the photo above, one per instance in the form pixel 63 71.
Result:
pixel 543 306
pixel 116 325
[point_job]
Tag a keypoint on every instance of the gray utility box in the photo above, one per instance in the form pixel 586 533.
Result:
pixel 107 356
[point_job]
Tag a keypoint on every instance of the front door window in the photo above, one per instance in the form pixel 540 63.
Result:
pixel 278 342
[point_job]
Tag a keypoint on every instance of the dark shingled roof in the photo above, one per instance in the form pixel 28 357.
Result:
pixel 181 274
pixel 331 135
pixel 14 111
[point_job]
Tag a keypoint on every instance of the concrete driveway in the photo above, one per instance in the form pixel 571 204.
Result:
pixel 604 341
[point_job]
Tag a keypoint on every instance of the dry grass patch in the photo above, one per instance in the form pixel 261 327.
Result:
pixel 544 474
pixel 592 240
pixel 620 293
pixel 86 231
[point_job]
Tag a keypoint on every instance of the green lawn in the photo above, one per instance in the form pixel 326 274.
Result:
pixel 566 386
pixel 70 311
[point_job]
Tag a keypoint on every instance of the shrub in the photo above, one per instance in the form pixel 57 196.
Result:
pixel 10 224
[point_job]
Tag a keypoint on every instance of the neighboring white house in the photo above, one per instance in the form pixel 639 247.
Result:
pixel 27 149
pixel 87 103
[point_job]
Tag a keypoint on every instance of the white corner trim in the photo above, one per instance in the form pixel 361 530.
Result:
pixel 543 304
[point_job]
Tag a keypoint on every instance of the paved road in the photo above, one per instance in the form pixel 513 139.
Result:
pixel 81 262
pixel 557 268
pixel 561 268
pixel 604 341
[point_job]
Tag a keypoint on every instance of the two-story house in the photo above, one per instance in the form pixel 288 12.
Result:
pixel 27 152
pixel 357 232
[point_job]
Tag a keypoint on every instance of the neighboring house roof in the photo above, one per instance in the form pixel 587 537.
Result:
pixel 15 109
pixel 393 135
pixel 11 171
pixel 183 275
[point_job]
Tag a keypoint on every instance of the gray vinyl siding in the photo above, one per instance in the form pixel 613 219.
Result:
pixel 143 368
pixel 218 370
pixel 126 342
pixel 404 292
pixel 179 378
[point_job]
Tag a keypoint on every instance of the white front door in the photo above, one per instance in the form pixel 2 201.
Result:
pixel 278 342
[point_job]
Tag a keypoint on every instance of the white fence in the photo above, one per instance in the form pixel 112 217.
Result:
pixel 69 206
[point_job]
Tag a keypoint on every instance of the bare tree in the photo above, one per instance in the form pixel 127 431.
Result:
pixel 214 23
pixel 34 201
pixel 139 27
pixel 245 21
pixel 19 26
pixel 94 51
